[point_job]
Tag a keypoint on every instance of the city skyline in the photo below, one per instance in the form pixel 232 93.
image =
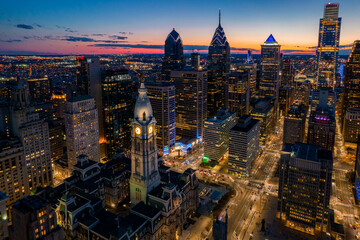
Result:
pixel 108 28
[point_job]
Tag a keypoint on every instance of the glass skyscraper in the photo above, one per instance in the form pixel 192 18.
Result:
pixel 328 46
pixel 218 70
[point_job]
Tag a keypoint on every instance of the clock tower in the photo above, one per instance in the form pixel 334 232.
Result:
pixel 144 153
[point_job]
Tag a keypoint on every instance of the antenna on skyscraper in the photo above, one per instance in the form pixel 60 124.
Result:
pixel 219 16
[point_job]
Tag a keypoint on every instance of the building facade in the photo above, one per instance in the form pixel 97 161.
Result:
pixel 239 90
pixel 294 124
pixel 305 187
pixel 352 125
pixel 82 129
pixel 190 102
pixel 40 89
pixel 264 112
pixel 218 70
pixel 328 46
pixel 216 136
pixel 244 145
pixel 162 98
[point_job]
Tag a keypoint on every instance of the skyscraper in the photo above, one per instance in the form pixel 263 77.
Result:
pixel 191 102
pixel 294 124
pixel 270 67
pixel 328 46
pixel 33 133
pixel 351 104
pixel 287 72
pixel 252 69
pixel 82 129
pixel 58 100
pixel 244 144
pixel 162 98
pixel 264 112
pixel 118 105
pixel 144 153
pixel 195 60
pixel 40 89
pixel 239 92
pixel 173 58
pixel 324 98
pixel 321 130
pixel 216 136
pixel 305 187
pixel 218 70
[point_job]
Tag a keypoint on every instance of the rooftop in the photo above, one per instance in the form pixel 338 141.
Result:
pixel 30 204
pixel 80 98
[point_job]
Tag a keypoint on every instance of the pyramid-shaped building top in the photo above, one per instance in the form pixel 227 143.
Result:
pixel 271 40
pixel 219 38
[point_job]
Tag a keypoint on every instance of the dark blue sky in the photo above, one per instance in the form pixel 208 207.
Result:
pixel 75 26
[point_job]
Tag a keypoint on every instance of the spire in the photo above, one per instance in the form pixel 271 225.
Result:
pixel 219 16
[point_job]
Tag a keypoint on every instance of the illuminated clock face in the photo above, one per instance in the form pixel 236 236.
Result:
pixel 137 130
pixel 150 130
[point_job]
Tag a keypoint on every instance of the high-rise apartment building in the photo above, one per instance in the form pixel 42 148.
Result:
pixel 162 98
pixel 218 70
pixel 305 187
pixel 33 133
pixel 270 68
pixel 244 144
pixel 328 46
pixel 82 129
pixel 13 178
pixel 190 102
pixel 239 92
pixel 173 58
pixel 118 106
pixel 216 136
pixel 294 124
pixel 322 129
pixel 40 89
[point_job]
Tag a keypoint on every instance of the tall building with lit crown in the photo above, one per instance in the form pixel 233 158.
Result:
pixel 162 98
pixel 82 129
pixel 270 68
pixel 58 99
pixel 351 102
pixel 328 46
pixel 218 70
pixel 33 133
pixel 173 58
pixel 144 153
pixel 216 136
pixel 118 104
pixel 322 129
pixel 305 187
pixel 191 102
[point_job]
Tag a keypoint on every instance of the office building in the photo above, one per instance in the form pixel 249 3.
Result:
pixel 286 98
pixel 13 178
pixel 287 72
pixel 244 145
pixel 82 129
pixel 218 70
pixel 58 100
pixel 239 92
pixel 4 219
pixel 249 57
pixel 305 187
pixel 33 133
pixel 270 68
pixel 57 138
pixel 162 98
pixel 352 125
pixel 195 60
pixel 324 98
pixel 328 46
pixel 34 218
pixel 322 129
pixel 118 105
pixel 190 102
pixel 216 136
pixel 40 89
pixel 252 69
pixel 88 82
pixel 302 93
pixel 264 112
pixel 173 58
pixel 294 124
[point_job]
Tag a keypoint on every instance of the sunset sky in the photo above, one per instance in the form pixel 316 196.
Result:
pixel 137 26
